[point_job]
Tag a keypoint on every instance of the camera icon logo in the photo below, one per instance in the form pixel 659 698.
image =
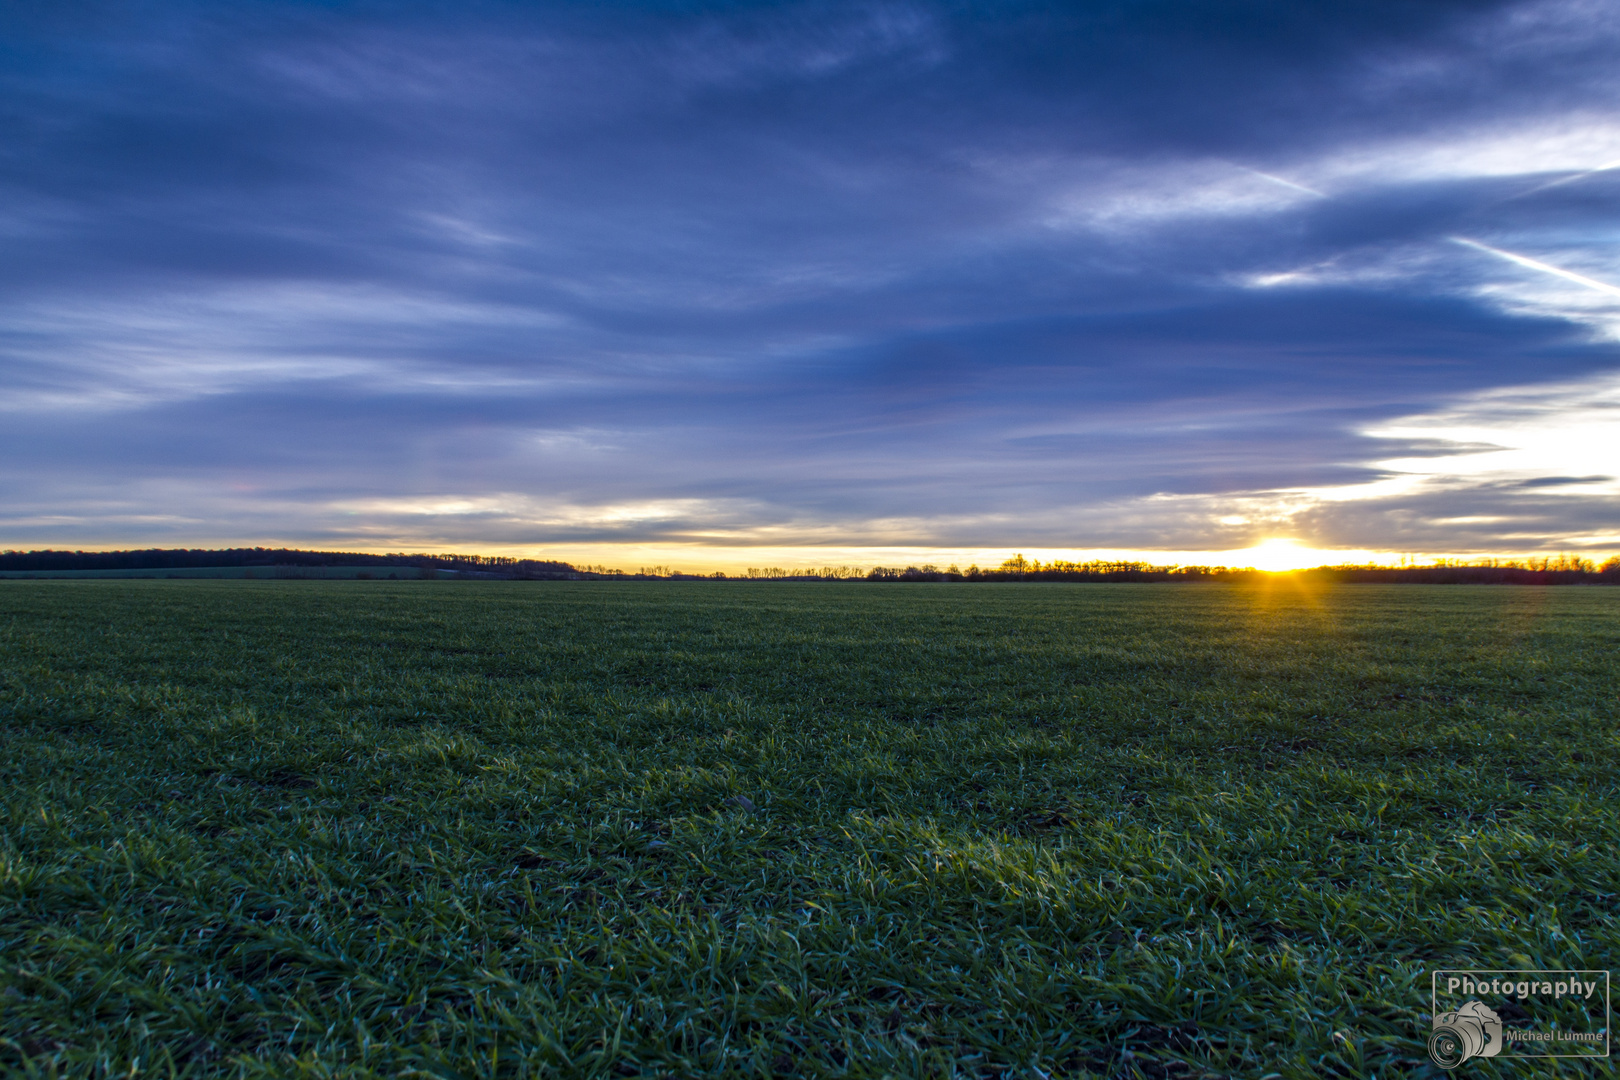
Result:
pixel 1472 1031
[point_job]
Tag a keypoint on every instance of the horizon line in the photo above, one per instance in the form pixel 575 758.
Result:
pixel 1275 555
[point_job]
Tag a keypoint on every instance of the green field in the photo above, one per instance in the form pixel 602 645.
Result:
pixel 727 829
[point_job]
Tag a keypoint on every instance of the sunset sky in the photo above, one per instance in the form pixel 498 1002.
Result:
pixel 798 284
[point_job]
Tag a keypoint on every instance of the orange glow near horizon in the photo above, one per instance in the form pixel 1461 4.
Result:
pixel 1275 554
pixel 1280 555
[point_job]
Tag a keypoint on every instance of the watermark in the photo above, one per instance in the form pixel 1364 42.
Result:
pixel 1519 1015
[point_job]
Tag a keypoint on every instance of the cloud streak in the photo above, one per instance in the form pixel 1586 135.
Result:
pixel 1545 268
pixel 896 277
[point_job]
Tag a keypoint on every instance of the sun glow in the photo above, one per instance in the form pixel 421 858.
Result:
pixel 1278 555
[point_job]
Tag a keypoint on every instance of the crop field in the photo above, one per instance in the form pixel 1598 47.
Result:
pixel 727 829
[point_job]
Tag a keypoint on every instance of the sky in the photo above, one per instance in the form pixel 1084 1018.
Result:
pixel 714 286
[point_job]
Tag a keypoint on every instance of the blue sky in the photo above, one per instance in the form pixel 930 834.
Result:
pixel 739 284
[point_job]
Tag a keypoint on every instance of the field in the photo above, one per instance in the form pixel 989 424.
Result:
pixel 726 829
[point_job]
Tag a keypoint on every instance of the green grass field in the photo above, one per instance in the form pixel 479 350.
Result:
pixel 726 829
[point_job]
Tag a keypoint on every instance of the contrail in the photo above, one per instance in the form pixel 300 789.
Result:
pixel 1569 179
pixel 1290 183
pixel 1534 264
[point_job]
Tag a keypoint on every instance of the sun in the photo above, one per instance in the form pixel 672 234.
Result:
pixel 1279 554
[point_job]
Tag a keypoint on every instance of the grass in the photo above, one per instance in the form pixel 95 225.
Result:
pixel 724 829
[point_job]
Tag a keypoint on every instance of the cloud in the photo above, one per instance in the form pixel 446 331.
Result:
pixel 896 275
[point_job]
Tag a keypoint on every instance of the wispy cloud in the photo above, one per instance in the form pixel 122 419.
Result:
pixel 905 276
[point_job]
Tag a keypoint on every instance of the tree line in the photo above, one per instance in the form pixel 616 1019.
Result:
pixel 270 558
pixel 1550 570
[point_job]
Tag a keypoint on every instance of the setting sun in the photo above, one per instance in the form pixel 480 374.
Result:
pixel 1279 555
